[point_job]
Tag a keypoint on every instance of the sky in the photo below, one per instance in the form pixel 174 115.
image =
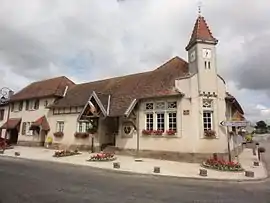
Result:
pixel 87 40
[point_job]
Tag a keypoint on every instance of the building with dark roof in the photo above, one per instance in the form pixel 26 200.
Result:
pixel 172 112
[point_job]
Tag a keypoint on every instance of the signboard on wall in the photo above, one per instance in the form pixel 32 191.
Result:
pixel 234 123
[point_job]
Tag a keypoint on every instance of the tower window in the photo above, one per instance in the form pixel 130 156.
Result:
pixel 209 65
pixel 205 64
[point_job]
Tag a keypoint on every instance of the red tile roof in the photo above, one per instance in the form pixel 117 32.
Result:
pixel 12 123
pixel 201 32
pixel 123 90
pixel 45 88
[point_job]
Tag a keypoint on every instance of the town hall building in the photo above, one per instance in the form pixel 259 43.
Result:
pixel 172 112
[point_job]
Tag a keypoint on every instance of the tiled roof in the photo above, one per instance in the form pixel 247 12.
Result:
pixel 123 90
pixel 51 87
pixel 201 32
pixel 234 102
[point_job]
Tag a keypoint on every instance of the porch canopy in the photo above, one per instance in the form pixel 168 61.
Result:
pixel 42 122
pixel 12 123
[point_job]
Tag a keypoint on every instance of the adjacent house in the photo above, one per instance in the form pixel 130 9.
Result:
pixel 172 112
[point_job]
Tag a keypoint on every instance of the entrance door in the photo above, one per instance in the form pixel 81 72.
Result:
pixel 13 139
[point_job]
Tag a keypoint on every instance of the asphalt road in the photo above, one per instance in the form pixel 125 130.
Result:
pixel 24 181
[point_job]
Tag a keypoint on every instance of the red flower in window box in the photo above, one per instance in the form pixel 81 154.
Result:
pixel 210 134
pixel 58 134
pixel 158 132
pixel 170 132
pixel 146 132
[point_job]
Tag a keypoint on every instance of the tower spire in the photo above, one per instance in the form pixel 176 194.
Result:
pixel 201 32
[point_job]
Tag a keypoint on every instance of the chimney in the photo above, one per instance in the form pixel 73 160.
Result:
pixel 10 93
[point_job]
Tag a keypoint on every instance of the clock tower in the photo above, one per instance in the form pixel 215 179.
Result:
pixel 202 56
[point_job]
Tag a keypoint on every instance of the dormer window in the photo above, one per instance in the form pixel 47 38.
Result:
pixel 36 104
pixel 27 105
pixel 21 106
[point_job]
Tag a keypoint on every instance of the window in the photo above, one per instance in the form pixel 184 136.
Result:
pixel 27 105
pixel 83 127
pixel 24 125
pixel 80 127
pixel 2 114
pixel 161 121
pixel 209 65
pixel 161 115
pixel 27 128
pixel 45 103
pixel 36 104
pixel 205 64
pixel 20 105
pixel 149 106
pixel 60 126
pixel 207 120
pixel 87 126
pixel 172 121
pixel 207 103
pixel 12 107
pixel 149 121
pixel 172 105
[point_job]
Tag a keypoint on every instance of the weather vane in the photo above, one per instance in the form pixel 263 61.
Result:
pixel 199 7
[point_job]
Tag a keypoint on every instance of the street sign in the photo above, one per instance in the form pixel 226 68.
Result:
pixel 234 123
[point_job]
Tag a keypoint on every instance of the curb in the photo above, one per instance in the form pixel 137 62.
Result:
pixel 254 180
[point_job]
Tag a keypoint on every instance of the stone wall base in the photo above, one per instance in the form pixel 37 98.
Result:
pixel 58 146
pixel 30 143
pixel 174 156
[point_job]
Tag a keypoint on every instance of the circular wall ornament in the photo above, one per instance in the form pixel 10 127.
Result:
pixel 127 129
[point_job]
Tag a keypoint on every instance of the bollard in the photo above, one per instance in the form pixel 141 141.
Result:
pixel 156 169
pixel 203 172
pixel 116 165
pixel 256 163
pixel 249 174
pixel 17 153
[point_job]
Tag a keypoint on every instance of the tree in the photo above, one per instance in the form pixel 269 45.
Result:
pixel 261 125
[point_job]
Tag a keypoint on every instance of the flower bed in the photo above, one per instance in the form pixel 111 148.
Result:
pixel 102 157
pixel 63 153
pixel 222 165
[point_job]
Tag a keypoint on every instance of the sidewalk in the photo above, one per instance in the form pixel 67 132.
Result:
pixel 128 164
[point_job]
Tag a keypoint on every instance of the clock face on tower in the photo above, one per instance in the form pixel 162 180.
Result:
pixel 192 56
pixel 206 53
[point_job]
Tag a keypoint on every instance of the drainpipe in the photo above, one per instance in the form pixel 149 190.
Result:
pixel 8 115
pixel 228 134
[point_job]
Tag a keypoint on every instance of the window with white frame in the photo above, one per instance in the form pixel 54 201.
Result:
pixel 207 120
pixel 172 121
pixel 207 105
pixel 161 115
pixel 83 126
pixel 60 126
pixel 161 121
pixel 149 121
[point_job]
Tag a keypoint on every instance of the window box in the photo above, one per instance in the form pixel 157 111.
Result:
pixel 170 132
pixel 158 132
pixel 81 135
pixel 58 134
pixel 210 134
pixel 147 132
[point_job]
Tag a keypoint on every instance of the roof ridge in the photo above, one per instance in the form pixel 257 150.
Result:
pixel 133 74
